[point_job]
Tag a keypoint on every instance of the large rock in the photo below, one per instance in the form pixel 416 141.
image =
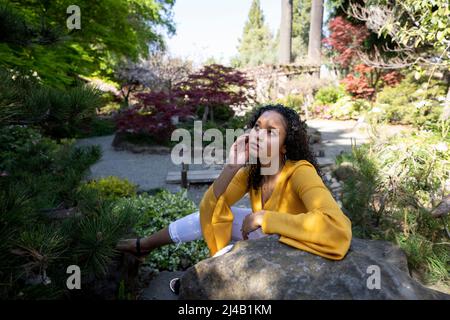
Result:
pixel 268 269
pixel 314 135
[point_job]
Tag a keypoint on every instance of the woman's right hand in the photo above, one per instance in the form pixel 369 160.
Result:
pixel 239 152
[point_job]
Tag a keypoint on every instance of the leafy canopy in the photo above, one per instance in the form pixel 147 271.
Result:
pixel 34 37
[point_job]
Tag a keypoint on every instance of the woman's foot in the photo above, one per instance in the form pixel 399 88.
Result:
pixel 133 246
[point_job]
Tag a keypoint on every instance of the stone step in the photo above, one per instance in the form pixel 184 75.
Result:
pixel 158 288
pixel 325 161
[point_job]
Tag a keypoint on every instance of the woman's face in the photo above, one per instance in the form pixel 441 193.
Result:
pixel 267 137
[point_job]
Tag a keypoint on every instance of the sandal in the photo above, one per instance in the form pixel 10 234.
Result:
pixel 138 247
pixel 174 285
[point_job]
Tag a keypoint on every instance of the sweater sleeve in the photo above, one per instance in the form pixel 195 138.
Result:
pixel 323 230
pixel 216 217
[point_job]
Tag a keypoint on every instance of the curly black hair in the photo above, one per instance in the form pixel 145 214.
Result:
pixel 297 141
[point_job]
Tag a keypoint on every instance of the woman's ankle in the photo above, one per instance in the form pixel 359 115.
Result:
pixel 146 244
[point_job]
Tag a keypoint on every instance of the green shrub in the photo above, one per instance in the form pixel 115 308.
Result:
pixel 51 170
pixel 95 235
pixel 14 88
pixel 294 101
pixel 142 139
pixel 366 181
pixel 329 95
pixel 430 259
pixel 16 213
pixel 60 113
pixel 397 184
pixel 347 107
pixel 35 248
pixel 97 127
pixel 237 122
pixel 25 149
pixel 39 177
pixel 39 241
pixel 156 212
pixel 110 108
pixel 14 27
pixel 113 187
pixel 221 113
pixel 412 101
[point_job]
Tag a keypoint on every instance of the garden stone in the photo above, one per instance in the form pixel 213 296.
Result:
pixel 159 289
pixel 268 269
pixel 314 138
pixel 314 135
pixel 322 162
pixel 344 171
pixel 335 185
pixel 121 144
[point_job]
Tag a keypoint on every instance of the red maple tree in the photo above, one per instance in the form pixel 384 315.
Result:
pixel 153 115
pixel 216 85
pixel 364 80
pixel 344 39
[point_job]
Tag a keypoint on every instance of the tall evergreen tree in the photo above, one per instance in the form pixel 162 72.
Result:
pixel 315 32
pixel 301 11
pixel 256 45
pixel 286 32
pixel 300 28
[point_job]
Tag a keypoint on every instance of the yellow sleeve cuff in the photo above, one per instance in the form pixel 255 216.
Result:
pixel 267 221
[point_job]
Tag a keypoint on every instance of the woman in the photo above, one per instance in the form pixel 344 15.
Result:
pixel 291 202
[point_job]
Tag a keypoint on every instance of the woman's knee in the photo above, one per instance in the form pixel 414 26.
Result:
pixel 187 228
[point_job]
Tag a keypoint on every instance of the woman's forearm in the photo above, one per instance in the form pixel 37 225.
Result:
pixel 223 180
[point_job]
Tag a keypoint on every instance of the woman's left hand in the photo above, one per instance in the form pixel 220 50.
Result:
pixel 251 222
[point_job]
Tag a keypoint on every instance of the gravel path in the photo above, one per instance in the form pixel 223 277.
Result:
pixel 148 171
pixel 337 135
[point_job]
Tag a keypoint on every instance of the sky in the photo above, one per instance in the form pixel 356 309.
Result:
pixel 211 28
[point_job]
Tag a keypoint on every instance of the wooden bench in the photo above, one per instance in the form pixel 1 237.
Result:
pixel 193 176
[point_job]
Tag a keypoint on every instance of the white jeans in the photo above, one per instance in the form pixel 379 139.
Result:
pixel 188 228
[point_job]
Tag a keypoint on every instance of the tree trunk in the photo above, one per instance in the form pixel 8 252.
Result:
pixel 127 99
pixel 315 32
pixel 205 114
pixel 212 114
pixel 286 32
pixel 446 111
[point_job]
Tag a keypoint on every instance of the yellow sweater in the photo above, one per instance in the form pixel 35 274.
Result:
pixel 301 210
